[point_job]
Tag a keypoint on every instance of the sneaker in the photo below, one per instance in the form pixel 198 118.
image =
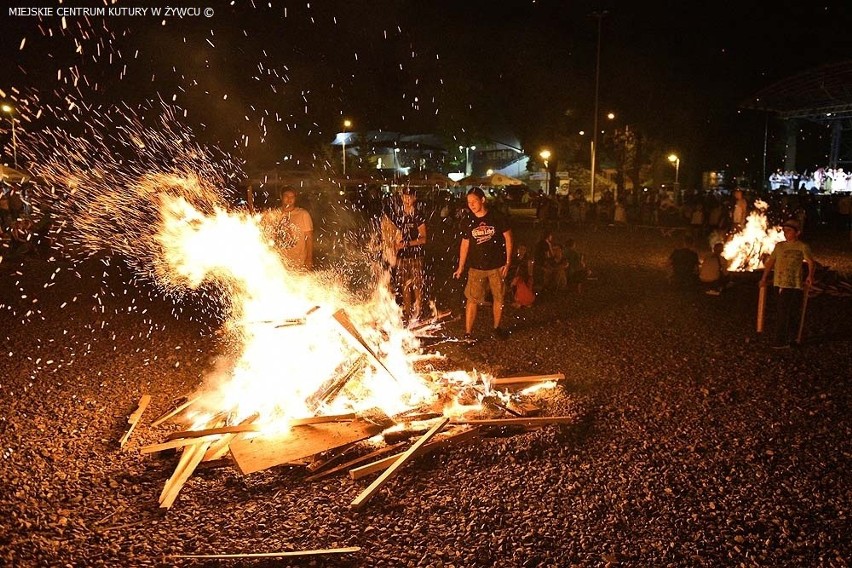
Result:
pixel 713 293
pixel 500 333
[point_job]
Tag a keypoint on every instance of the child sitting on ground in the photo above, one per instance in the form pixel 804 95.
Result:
pixel 522 284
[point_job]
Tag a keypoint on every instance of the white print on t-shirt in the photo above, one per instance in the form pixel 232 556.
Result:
pixel 482 233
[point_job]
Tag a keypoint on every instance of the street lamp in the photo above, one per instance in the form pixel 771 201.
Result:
pixel 10 110
pixel 346 124
pixel 599 16
pixel 467 169
pixel 545 155
pixel 676 161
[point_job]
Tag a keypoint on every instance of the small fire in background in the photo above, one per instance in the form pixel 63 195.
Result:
pixel 746 249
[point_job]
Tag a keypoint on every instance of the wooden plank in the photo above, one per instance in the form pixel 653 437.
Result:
pixel 323 419
pixel 329 390
pixel 268 450
pixel 354 462
pixel 342 318
pixel 382 464
pixel 133 419
pixel 195 459
pixel 527 379
pixel 185 458
pixel 365 496
pixel 174 412
pixel 525 421
pixel 525 408
pixel 174 444
pixel 286 554
pixel 235 429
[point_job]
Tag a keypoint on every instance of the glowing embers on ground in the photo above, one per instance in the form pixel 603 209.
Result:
pixel 746 249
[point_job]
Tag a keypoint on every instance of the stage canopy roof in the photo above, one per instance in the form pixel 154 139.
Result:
pixel 823 94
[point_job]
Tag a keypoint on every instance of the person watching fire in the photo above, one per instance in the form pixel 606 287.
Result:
pixel 486 246
pixel 786 261
pixel 292 231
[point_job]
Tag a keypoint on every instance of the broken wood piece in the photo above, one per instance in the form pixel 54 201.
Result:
pixel 329 458
pixel 365 496
pixel 431 321
pixel 177 483
pixel 525 421
pixel 235 429
pixel 525 408
pixel 174 444
pixel 395 436
pixel 382 464
pixel 291 553
pixel 175 411
pixel 342 318
pixel 268 450
pixel 133 419
pixel 556 377
pixel 218 449
pixel 323 419
pixel 354 462
pixel 332 387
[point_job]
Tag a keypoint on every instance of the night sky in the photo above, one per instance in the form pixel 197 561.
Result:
pixel 265 81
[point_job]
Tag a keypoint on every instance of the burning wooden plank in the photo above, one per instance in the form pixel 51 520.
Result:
pixel 525 421
pixel 179 443
pixel 341 317
pixel 133 419
pixel 235 429
pixel 285 554
pixel 381 465
pixel 354 462
pixel 174 412
pixel 526 380
pixel 368 493
pixel 268 450
pixel 332 387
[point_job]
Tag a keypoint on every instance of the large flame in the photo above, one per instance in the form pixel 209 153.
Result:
pixel 288 341
pixel 747 248
pixel 155 197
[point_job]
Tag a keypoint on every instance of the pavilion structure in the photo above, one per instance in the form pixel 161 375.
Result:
pixel 822 95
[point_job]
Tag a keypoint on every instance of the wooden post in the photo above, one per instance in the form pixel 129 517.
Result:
pixel 802 318
pixel 761 307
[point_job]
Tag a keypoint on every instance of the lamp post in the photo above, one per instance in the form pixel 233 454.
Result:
pixel 545 155
pixel 594 142
pixel 467 169
pixel 673 158
pixel 346 124
pixel 10 110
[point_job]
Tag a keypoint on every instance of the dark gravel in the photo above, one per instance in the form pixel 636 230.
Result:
pixel 695 444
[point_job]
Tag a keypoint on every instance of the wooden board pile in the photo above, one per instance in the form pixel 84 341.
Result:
pixel 331 444
pixel 335 444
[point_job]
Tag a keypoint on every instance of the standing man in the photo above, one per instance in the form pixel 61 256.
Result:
pixel 486 246
pixel 410 254
pixel 292 230
pixel 787 259
pixel 738 215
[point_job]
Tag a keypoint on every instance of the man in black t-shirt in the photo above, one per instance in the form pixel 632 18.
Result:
pixel 486 247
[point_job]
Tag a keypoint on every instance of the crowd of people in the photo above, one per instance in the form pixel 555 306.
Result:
pixel 19 231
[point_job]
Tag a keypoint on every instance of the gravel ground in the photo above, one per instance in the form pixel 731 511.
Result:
pixel 694 445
